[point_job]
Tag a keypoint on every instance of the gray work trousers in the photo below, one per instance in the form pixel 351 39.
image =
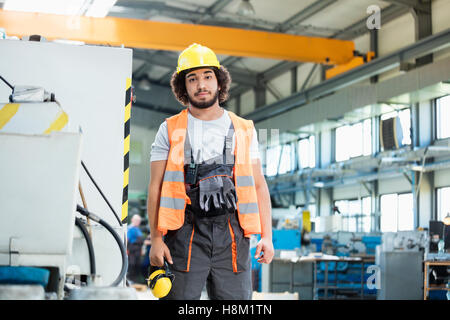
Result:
pixel 211 250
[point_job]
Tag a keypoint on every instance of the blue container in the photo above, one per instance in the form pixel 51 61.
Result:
pixel 24 275
pixel 318 242
pixel 371 242
pixel 286 239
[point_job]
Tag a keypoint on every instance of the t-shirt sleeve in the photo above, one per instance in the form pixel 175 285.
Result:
pixel 254 146
pixel 161 145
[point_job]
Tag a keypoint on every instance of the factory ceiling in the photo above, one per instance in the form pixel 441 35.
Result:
pixel 291 19
pixel 333 19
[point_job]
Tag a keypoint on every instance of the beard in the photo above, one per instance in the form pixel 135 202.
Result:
pixel 204 104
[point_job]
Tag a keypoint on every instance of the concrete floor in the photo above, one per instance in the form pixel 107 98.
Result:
pixel 147 295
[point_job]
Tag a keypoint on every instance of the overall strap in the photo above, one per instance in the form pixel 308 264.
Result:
pixel 188 156
pixel 228 157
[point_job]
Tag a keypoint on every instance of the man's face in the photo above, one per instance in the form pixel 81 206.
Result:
pixel 136 220
pixel 202 88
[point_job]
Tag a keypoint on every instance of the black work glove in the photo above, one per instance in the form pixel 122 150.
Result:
pixel 209 191
pixel 229 193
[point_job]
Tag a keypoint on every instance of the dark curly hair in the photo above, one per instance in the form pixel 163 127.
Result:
pixel 178 84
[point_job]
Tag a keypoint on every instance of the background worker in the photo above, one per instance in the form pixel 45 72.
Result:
pixel 207 193
pixel 145 264
pixel 134 246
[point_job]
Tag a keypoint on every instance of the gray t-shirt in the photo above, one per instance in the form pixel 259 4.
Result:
pixel 206 136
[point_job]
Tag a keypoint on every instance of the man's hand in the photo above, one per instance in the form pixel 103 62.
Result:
pixel 264 250
pixel 158 252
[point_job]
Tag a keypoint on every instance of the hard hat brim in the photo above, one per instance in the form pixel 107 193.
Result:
pixel 197 67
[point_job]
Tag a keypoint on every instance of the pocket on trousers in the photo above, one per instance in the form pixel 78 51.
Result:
pixel 242 246
pixel 179 243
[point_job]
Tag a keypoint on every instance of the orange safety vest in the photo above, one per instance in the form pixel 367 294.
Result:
pixel 173 193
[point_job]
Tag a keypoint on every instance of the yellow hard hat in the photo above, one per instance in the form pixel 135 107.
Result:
pixel 195 56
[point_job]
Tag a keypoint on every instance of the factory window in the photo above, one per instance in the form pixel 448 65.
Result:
pixel 272 159
pixel 306 153
pixel 405 120
pixel 282 158
pixel 285 159
pixel 443 203
pixel 313 212
pixel 397 213
pixel 356 214
pixel 279 160
pixel 354 140
pixel 442 116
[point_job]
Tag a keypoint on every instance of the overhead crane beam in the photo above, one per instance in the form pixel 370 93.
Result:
pixel 176 36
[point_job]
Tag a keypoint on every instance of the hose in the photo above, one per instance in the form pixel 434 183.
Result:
pixel 79 223
pixel 7 83
pixel 99 190
pixel 123 251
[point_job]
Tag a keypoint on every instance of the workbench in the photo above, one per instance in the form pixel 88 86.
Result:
pixel 363 261
pixel 426 286
pixel 301 275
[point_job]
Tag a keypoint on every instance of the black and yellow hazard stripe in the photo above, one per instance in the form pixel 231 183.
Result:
pixel 59 123
pixel 7 112
pixel 126 151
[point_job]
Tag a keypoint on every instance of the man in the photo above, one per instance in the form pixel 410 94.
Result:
pixel 207 193
pixel 134 243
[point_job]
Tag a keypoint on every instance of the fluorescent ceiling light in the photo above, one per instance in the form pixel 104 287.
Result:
pixel 144 84
pixel 319 184
pixel 417 168
pixel 69 7
pixel 100 8
pixel 245 8
pixel 90 8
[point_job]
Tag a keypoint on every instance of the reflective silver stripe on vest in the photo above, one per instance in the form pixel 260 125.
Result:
pixel 172 203
pixel 174 176
pixel 244 181
pixel 251 207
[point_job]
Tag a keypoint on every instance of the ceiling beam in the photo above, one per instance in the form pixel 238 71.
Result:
pixel 158 58
pixel 161 109
pixel 207 15
pixel 176 37
pixel 304 14
pixel 217 6
pixel 351 32
pixel 360 28
pixel 278 70
pixel 293 21
pixel 415 4
pixel 157 98
pixel 408 3
pixel 239 75
pixel 296 19
pixel 145 9
pixel 382 64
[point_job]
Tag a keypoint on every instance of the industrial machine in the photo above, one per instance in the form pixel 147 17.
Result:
pixel 294 240
pixel 345 278
pixel 399 258
pixel 64 182
pixel 313 272
pixel 286 233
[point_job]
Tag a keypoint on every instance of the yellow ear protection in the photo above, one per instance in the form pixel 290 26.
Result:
pixel 160 280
